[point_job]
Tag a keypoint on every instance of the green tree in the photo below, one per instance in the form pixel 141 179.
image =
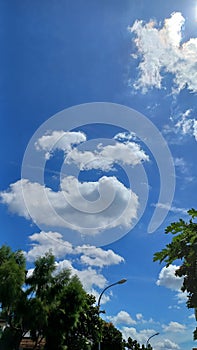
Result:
pixel 183 248
pixel 87 329
pixel 111 337
pixel 12 278
pixel 59 299
pixel 134 345
pixel 49 304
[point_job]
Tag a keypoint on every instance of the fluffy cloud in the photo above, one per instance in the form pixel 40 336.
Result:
pixel 168 279
pixel 53 241
pixel 93 256
pixel 174 327
pixel 48 241
pixel 161 49
pixel 141 336
pixel 121 318
pixel 61 140
pixel 89 277
pixel 128 153
pixel 167 344
pixel 87 207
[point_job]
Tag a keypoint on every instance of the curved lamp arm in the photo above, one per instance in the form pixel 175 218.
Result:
pixel 150 338
pixel 111 285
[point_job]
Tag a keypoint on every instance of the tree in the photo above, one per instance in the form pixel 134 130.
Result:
pixel 12 278
pixel 111 337
pixel 134 345
pixel 183 248
pixel 59 299
pixel 48 304
pixel 87 329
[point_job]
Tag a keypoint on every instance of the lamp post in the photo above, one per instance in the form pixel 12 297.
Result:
pixel 150 338
pixel 100 296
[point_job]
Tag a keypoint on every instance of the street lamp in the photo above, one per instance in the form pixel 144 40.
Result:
pixel 150 338
pixel 100 296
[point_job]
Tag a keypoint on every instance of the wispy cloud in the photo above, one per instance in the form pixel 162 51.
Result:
pixel 162 50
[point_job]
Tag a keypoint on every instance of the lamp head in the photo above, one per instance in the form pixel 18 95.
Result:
pixel 122 281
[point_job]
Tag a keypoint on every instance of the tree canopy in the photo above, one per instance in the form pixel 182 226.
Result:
pixel 52 307
pixel 183 248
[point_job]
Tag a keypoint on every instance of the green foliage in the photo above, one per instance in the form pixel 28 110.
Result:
pixel 48 304
pixel 183 248
pixel 134 345
pixel 111 337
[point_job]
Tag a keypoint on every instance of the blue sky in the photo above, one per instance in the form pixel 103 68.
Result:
pixel 98 142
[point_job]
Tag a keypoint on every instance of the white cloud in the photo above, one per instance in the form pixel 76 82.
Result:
pixel 44 242
pixel 168 279
pixel 171 208
pixel 181 297
pixel 139 316
pixel 166 344
pixel 54 242
pixel 121 318
pixel 128 153
pixel 48 241
pixel 141 336
pixel 174 327
pixel 195 129
pixel 125 136
pixel 93 256
pixel 161 50
pixel 181 165
pixel 59 139
pixel 89 277
pixel 77 206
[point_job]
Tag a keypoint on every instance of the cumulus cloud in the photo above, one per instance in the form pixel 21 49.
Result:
pixel 88 207
pixel 122 317
pixel 93 256
pixel 104 157
pixel 163 50
pixel 53 241
pixel 167 344
pixel 174 327
pixel 67 256
pixel 90 277
pixel 59 139
pixel 141 336
pixel 168 279
pixel 45 242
